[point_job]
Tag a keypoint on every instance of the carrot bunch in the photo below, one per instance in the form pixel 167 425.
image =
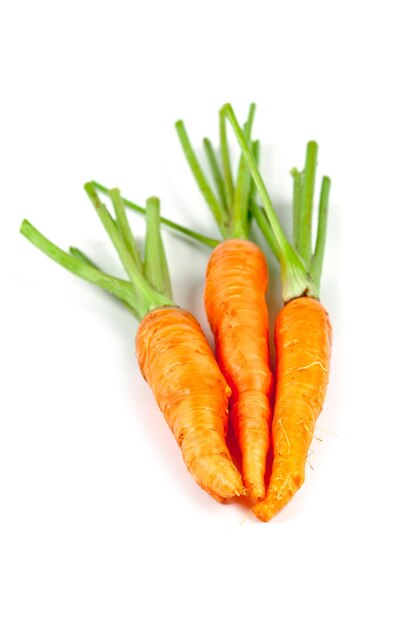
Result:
pixel 235 305
pixel 194 391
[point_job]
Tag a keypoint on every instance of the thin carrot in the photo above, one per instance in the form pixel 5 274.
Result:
pixel 303 344
pixel 173 354
pixel 236 283
pixel 302 331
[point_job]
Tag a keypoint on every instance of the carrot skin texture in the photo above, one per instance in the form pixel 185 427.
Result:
pixel 236 282
pixel 176 361
pixel 303 338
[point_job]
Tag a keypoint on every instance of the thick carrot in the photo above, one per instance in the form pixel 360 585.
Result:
pixel 236 283
pixel 172 351
pixel 176 361
pixel 303 345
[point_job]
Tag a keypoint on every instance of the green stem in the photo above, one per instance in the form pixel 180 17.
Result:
pixel 305 213
pixel 225 157
pixel 148 298
pixel 295 280
pixel 156 267
pixel 243 183
pixel 317 261
pixel 297 187
pixel 79 254
pixel 216 208
pixel 264 227
pixel 207 241
pixel 124 227
pixel 215 170
pixel 122 289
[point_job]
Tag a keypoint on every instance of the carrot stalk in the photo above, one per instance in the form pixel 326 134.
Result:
pixel 297 187
pixel 225 157
pixel 215 171
pixel 156 267
pixel 242 188
pixel 303 215
pixel 317 261
pixel 218 211
pixel 124 227
pixel 207 241
pixel 79 254
pixel 119 288
pixel 147 296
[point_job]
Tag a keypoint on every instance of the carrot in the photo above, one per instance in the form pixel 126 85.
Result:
pixel 302 331
pixel 303 344
pixel 173 354
pixel 235 303
pixel 236 283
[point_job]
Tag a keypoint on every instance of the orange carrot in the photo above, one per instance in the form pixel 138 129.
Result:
pixel 303 344
pixel 302 331
pixel 173 353
pixel 176 361
pixel 236 283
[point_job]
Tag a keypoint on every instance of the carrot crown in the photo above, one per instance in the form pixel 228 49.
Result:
pixel 231 198
pixel 300 266
pixel 149 284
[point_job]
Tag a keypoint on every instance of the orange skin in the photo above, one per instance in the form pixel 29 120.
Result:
pixel 303 343
pixel 236 283
pixel 175 359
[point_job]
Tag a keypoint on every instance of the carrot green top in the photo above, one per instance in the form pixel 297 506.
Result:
pixel 234 203
pixel 300 266
pixel 149 284
pixel 231 199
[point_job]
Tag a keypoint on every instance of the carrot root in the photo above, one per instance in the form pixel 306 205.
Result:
pixel 303 344
pixel 175 359
pixel 236 283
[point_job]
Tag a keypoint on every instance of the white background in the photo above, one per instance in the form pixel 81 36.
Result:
pixel 100 522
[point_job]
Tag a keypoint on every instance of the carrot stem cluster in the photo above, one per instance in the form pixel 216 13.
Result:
pixel 149 284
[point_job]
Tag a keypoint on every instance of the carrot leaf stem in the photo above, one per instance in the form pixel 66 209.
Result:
pixel 317 260
pixel 218 211
pixel 148 298
pixel 295 279
pixel 225 158
pixel 304 213
pixel 297 186
pixel 242 188
pixel 215 171
pixel 77 264
pixel 124 227
pixel 156 267
pixel 79 254
pixel 207 241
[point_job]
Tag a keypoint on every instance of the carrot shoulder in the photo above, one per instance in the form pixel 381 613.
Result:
pixel 236 283
pixel 176 360
pixel 303 344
